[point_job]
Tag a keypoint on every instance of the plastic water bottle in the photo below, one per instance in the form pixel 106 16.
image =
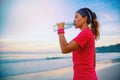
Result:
pixel 66 26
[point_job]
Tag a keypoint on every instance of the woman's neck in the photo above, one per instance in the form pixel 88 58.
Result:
pixel 84 26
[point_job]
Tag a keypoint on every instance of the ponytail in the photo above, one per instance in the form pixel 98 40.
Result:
pixel 92 19
pixel 95 27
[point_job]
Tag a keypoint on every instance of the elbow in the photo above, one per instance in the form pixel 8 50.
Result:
pixel 65 51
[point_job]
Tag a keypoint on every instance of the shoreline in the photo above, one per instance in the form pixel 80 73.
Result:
pixel 106 63
pixel 58 74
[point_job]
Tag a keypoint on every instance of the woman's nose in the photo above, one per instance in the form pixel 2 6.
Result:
pixel 74 21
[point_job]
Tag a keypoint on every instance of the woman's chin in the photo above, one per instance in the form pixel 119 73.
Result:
pixel 76 27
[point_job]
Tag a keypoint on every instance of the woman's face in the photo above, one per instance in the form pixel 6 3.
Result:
pixel 78 20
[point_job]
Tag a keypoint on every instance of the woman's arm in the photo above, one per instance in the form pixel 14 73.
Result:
pixel 95 60
pixel 66 47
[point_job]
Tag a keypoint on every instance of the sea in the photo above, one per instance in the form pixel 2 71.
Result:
pixel 30 62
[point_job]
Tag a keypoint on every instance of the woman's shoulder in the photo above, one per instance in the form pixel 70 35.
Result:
pixel 86 32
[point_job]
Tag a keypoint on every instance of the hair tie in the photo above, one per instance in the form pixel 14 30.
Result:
pixel 89 15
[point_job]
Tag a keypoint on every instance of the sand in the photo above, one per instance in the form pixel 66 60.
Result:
pixel 110 73
pixel 105 70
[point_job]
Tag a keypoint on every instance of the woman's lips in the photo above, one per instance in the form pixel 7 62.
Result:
pixel 74 24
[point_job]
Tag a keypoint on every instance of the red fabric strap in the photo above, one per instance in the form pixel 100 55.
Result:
pixel 60 31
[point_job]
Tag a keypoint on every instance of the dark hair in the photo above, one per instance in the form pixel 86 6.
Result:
pixel 92 19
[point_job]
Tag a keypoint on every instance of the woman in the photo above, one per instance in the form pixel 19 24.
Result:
pixel 83 45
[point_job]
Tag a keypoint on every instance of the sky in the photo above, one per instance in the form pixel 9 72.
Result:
pixel 27 25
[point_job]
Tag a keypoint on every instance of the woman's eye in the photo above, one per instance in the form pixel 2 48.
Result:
pixel 75 16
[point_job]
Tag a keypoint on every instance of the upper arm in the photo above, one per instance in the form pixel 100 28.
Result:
pixel 78 42
pixel 72 45
pixel 82 39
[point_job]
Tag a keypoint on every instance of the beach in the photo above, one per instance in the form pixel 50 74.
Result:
pixel 106 70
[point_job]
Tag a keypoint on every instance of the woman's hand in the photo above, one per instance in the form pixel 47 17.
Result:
pixel 60 25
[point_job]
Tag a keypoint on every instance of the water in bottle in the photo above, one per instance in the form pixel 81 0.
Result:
pixel 66 26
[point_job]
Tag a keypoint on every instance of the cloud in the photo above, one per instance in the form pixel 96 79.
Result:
pixel 110 29
pixel 27 46
pixel 28 23
pixel 108 40
pixel 108 16
pixel 30 20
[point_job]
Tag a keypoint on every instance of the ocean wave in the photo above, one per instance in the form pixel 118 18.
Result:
pixel 27 60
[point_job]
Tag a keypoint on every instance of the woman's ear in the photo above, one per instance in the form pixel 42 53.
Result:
pixel 85 19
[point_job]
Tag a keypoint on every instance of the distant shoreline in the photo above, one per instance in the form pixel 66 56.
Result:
pixel 102 49
pixel 108 49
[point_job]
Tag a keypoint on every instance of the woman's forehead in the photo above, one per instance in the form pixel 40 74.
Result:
pixel 77 14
